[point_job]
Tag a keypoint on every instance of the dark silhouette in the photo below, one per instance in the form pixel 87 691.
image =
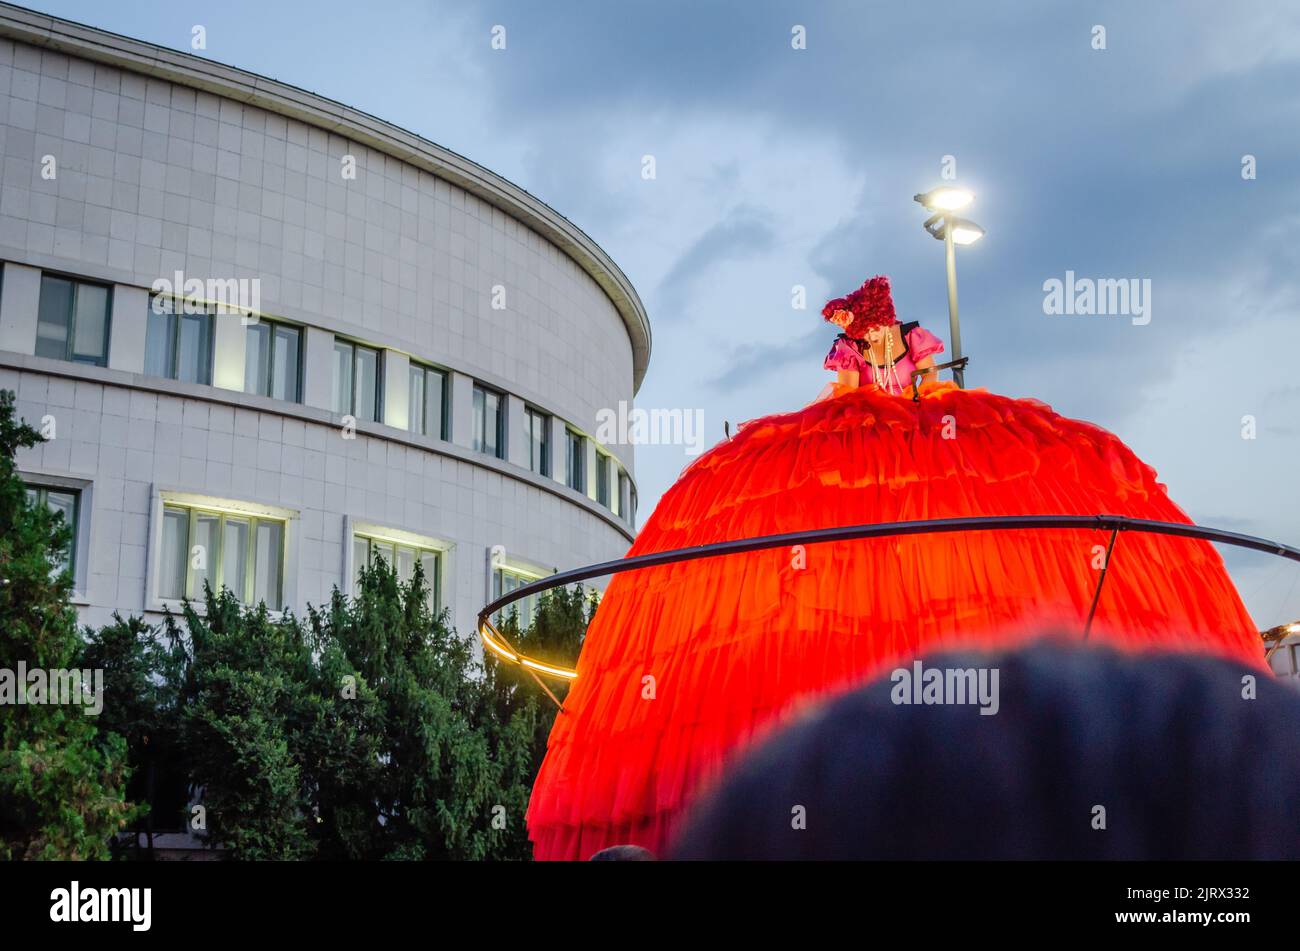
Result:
pixel 623 853
pixel 1168 745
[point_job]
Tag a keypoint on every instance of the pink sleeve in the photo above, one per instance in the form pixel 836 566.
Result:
pixel 921 344
pixel 842 357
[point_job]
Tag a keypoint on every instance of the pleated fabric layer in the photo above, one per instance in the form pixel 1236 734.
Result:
pixel 686 665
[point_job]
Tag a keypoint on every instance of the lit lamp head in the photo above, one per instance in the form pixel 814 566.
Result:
pixel 965 232
pixel 943 201
pixel 944 198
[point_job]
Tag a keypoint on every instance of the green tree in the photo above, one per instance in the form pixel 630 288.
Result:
pixel 143 675
pixel 245 698
pixel 554 636
pixel 367 732
pixel 452 777
pixel 61 787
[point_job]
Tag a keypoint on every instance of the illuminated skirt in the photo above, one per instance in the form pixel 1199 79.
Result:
pixel 686 665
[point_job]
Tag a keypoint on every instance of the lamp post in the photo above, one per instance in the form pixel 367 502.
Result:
pixel 951 231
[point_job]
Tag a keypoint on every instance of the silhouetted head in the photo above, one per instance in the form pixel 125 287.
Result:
pixel 623 853
pixel 1080 753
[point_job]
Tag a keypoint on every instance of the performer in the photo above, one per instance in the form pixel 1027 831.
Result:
pixel 687 664
pixel 874 349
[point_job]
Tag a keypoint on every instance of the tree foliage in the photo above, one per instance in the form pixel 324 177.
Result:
pixel 368 730
pixel 61 783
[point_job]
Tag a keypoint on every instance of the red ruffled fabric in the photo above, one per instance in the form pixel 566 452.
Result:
pixel 736 645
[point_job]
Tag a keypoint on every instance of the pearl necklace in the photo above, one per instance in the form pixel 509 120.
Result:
pixel 883 376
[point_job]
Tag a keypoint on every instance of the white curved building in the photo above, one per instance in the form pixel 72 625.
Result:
pixel 422 376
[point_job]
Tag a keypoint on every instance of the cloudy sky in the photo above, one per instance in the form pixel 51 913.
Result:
pixel 778 167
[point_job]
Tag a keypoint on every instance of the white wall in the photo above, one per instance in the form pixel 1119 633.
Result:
pixel 155 178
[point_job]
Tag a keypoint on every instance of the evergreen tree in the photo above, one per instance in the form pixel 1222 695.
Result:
pixel 452 778
pixel 369 732
pixel 142 683
pixel 61 788
pixel 245 699
pixel 554 635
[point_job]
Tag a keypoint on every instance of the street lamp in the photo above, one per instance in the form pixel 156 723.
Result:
pixel 951 230
pixel 1275 637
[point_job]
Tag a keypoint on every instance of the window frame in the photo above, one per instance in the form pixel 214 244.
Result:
pixel 621 502
pixel 175 317
pixel 603 464
pixel 355 348
pixel 534 417
pixel 575 477
pixel 70 334
pixel 269 379
pixel 371 537
pixel 479 442
pixel 426 370
pixel 497 588
pixel 42 491
pixel 216 561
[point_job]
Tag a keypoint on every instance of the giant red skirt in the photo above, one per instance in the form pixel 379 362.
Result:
pixel 686 665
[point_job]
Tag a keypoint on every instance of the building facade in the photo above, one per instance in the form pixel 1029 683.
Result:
pixel 269 337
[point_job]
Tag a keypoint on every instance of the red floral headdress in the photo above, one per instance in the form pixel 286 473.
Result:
pixel 871 305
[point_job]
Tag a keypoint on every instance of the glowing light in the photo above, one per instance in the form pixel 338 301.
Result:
pixel 965 232
pixel 548 669
pixel 505 653
pixel 945 198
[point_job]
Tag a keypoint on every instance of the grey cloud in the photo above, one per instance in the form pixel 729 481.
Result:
pixel 754 362
pixel 746 232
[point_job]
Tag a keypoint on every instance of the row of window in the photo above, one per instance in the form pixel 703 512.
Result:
pixel 73 324
pixel 489 437
pixel 245 554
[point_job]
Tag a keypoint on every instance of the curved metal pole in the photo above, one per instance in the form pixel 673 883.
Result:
pixel 1113 523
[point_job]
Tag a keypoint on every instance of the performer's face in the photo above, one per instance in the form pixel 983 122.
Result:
pixel 876 334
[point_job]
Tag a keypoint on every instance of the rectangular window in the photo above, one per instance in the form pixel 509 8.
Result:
pixel 66 502
pixel 72 321
pixel 242 553
pixel 273 360
pixel 178 345
pixel 366 549
pixel 602 479
pixel 539 441
pixel 624 497
pixel 428 401
pixel 356 381
pixel 576 448
pixel 489 422
pixel 505 580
